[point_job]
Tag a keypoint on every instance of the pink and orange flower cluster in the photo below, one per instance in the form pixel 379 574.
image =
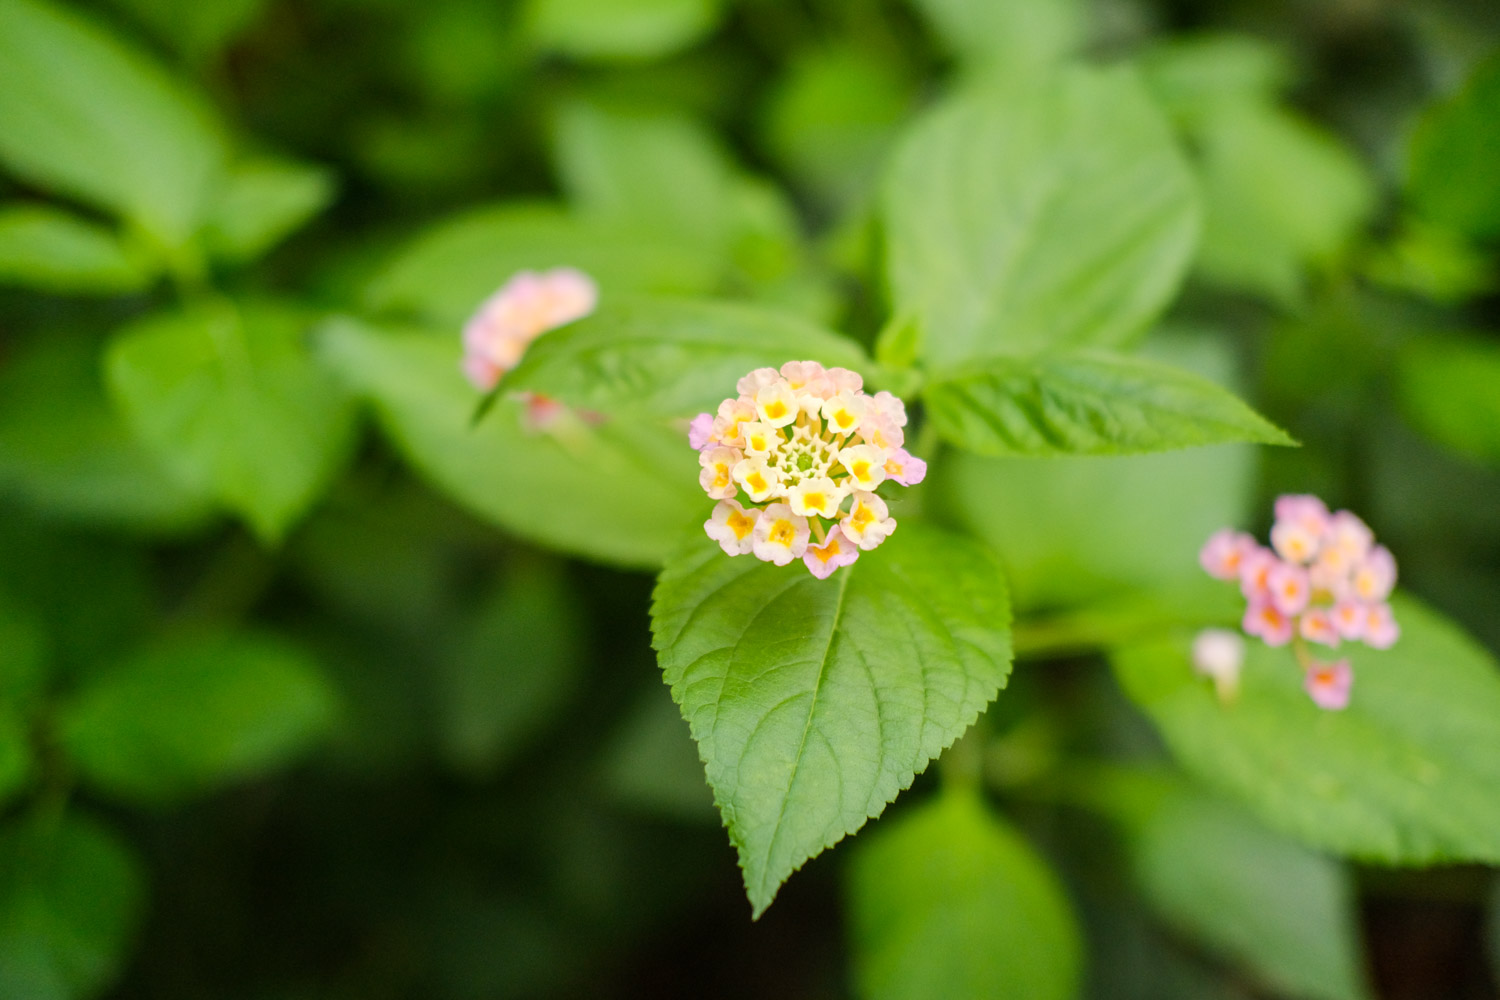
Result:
pixel 1323 580
pixel 807 448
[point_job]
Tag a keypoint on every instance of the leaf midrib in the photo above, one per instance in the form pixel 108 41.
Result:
pixel 812 709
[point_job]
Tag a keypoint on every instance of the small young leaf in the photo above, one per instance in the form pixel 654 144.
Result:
pixel 620 29
pixel 71 895
pixel 1405 775
pixel 1450 389
pixel 815 702
pixel 264 201
pixel 55 251
pixel 85 116
pixel 234 406
pixel 670 358
pixel 448 271
pixel 621 491
pixel 192 716
pixel 1052 215
pixel 947 901
pixel 1452 177
pixel 1087 403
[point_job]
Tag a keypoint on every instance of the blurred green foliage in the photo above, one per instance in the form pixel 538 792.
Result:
pixel 313 685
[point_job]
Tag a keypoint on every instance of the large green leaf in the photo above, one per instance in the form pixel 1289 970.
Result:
pixel 1450 389
pixel 947 901
pixel 621 491
pixel 447 272
pixel 1087 403
pixel 620 29
pixel 233 404
pixel 196 714
pixel 262 202
pixel 671 358
pixel 64 451
pixel 1452 178
pixel 87 117
pixel 1051 215
pixel 1406 774
pixel 55 251
pixel 71 896
pixel 815 702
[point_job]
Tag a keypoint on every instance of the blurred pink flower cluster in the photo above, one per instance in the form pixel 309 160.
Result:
pixel 525 307
pixel 1323 580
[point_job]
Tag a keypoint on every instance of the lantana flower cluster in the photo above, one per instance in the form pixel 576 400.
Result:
pixel 806 448
pixel 524 308
pixel 1323 580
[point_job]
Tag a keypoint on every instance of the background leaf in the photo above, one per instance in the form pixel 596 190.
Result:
pixel 195 715
pixel 655 173
pixel 620 29
pixel 1087 403
pixel 85 116
pixel 55 251
pixel 263 201
pixel 621 492
pixel 833 115
pixel 15 749
pixel 508 678
pixel 1449 387
pixel 64 449
pixel 1281 197
pixel 447 272
pixel 814 703
pixel 196 29
pixel 233 404
pixel 70 898
pixel 1052 215
pixel 1405 775
pixel 1247 894
pixel 1018 38
pixel 670 358
pixel 1451 168
pixel 947 901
